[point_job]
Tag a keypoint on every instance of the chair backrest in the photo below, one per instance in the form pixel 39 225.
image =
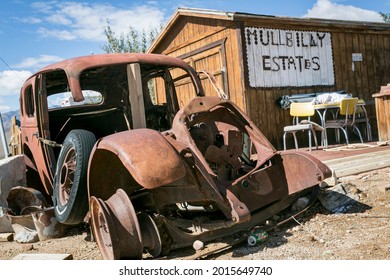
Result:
pixel 301 109
pixel 348 106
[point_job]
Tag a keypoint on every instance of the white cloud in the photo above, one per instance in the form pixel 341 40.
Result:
pixel 30 20
pixel 86 21
pixel 11 81
pixel 44 7
pixel 4 107
pixel 59 19
pixel 37 62
pixel 64 35
pixel 328 9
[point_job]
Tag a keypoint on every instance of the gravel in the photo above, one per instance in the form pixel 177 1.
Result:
pixel 357 231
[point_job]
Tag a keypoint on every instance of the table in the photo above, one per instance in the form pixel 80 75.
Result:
pixel 322 109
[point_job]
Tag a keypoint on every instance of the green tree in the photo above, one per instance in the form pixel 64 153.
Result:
pixel 132 41
pixel 385 16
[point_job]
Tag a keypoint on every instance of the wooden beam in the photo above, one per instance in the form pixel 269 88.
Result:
pixel 136 95
pixel 359 163
pixel 43 257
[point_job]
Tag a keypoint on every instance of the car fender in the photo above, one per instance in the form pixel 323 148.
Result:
pixel 303 170
pixel 144 153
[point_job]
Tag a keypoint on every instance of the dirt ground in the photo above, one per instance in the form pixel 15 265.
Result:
pixel 358 231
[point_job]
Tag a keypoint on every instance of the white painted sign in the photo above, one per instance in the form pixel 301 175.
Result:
pixel 288 58
pixel 357 57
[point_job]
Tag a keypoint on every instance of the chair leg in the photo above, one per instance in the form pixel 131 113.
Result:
pixel 315 138
pixel 369 133
pixel 295 140
pixel 337 134
pixel 358 132
pixel 324 138
pixel 345 135
pixel 309 132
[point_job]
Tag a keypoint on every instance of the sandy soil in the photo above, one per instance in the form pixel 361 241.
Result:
pixel 357 232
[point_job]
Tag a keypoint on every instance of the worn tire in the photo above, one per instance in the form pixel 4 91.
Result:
pixel 70 178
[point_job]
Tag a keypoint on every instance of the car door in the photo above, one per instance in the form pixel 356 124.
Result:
pixel 43 126
pixel 31 130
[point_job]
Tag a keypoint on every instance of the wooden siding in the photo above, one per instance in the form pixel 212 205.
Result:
pixel 217 43
pixel 208 44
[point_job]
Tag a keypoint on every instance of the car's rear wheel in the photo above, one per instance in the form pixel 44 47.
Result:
pixel 70 179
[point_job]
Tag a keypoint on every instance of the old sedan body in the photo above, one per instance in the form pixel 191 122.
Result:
pixel 131 142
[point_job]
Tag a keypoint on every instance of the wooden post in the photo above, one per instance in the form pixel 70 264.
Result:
pixel 382 105
pixel 15 140
pixel 136 96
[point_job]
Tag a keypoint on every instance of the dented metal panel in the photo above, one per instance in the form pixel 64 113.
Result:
pixel 230 169
pixel 146 155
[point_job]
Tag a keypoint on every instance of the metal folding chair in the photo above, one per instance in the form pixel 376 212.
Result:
pixel 302 110
pixel 345 118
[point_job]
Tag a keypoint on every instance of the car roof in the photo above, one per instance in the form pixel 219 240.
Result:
pixel 78 64
pixel 74 66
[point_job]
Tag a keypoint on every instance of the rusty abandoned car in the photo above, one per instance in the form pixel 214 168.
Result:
pixel 131 144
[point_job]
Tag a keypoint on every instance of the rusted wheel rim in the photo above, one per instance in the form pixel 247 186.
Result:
pixel 150 236
pixel 101 227
pixel 115 226
pixel 67 176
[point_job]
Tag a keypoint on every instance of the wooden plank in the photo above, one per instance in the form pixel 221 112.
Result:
pixel 43 257
pixel 369 61
pixel 384 118
pixel 361 163
pixel 357 66
pixel 337 59
pixel 5 237
pixel 237 82
pixel 136 95
pixel 382 50
pixel 375 66
pixel 363 90
pixel 386 59
pixel 274 132
pixel 251 108
pixel 352 170
pixel 365 157
pixel 357 164
pixel 347 62
pixel 370 79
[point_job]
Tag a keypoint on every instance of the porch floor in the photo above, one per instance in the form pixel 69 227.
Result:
pixel 345 160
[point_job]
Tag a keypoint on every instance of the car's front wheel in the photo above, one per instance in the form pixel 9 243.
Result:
pixel 70 178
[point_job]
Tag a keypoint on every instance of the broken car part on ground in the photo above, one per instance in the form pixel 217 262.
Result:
pixel 131 144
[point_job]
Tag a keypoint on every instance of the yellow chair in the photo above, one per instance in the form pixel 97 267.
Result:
pixel 302 110
pixel 346 112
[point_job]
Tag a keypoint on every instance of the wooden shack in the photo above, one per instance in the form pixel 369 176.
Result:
pixel 257 59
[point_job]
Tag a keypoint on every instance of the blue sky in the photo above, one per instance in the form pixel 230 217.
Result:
pixel 36 33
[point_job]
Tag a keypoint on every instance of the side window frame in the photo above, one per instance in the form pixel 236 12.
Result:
pixel 29 108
